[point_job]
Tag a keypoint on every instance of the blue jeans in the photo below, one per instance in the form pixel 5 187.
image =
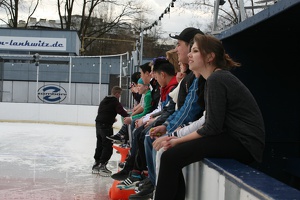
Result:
pixel 150 157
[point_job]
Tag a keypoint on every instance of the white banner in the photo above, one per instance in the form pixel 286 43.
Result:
pixel 33 43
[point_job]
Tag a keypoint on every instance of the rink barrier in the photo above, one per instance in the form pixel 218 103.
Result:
pixel 51 113
pixel 226 179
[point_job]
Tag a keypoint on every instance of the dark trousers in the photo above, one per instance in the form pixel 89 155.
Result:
pixel 140 160
pixel 104 149
pixel 137 159
pixel 130 160
pixel 170 181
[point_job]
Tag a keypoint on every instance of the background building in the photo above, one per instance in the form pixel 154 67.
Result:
pixel 43 66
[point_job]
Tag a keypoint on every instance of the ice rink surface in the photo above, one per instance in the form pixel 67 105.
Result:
pixel 50 162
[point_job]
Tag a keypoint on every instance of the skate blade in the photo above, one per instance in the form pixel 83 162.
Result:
pixel 104 174
pixel 95 172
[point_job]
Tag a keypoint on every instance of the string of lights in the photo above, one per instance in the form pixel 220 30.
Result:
pixel 166 11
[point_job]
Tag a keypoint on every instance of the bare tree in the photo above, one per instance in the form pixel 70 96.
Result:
pixel 12 8
pixel 98 17
pixel 65 11
pixel 229 13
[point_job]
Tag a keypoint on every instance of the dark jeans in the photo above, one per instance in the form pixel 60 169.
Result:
pixel 104 149
pixel 170 181
pixel 140 159
pixel 133 150
pixel 137 158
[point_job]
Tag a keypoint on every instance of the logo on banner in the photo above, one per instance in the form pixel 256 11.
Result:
pixel 33 43
pixel 52 93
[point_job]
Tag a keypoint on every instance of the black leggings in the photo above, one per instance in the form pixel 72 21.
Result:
pixel 170 182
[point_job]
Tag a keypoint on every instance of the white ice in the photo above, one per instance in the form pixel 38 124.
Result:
pixel 49 161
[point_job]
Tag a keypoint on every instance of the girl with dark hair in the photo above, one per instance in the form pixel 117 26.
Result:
pixel 233 126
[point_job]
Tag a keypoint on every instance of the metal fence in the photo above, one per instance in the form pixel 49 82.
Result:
pixel 77 80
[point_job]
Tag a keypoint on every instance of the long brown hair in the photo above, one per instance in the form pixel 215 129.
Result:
pixel 172 57
pixel 208 44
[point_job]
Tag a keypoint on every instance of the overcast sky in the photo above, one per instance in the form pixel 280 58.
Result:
pixel 177 19
pixel 173 22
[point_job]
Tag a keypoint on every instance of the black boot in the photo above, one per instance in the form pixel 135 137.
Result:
pixel 146 192
pixel 121 175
